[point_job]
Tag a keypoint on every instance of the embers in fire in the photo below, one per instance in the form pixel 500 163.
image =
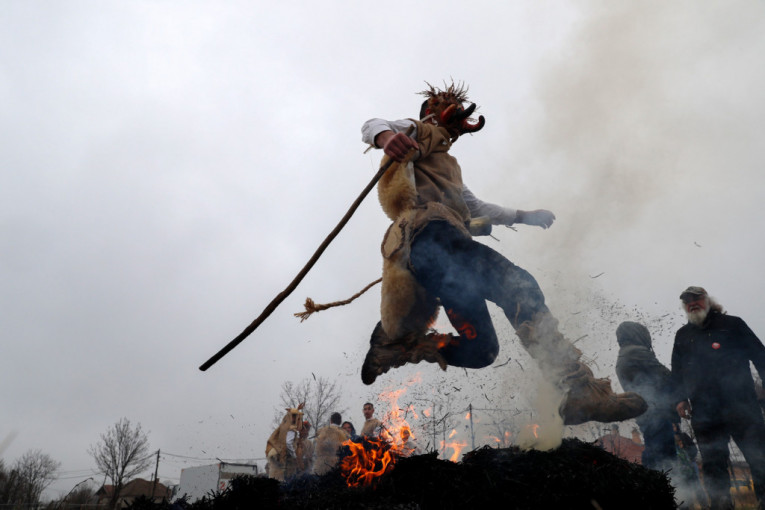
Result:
pixel 366 461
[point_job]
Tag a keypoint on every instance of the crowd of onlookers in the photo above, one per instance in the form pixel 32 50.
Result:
pixel 291 452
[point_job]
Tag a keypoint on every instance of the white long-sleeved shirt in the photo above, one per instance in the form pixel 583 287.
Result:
pixel 291 437
pixel 498 214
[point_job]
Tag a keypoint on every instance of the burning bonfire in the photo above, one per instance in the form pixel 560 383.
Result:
pixel 577 475
pixel 387 473
pixel 366 460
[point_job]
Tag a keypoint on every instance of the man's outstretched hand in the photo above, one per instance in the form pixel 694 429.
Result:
pixel 537 218
pixel 395 145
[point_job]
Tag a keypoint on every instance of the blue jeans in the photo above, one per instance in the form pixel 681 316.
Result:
pixel 464 274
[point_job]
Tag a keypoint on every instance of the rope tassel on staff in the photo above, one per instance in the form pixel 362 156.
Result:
pixel 296 281
pixel 311 307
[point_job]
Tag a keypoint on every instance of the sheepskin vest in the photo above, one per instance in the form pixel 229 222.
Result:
pixel 328 440
pixel 413 194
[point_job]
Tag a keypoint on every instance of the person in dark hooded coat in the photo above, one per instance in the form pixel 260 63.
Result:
pixel 639 371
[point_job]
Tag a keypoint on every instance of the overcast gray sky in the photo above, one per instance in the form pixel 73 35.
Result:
pixel 168 167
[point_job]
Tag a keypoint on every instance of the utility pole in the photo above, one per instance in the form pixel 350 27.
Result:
pixel 434 426
pixel 472 435
pixel 156 470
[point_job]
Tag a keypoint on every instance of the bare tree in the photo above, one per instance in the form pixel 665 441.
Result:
pixel 37 470
pixel 8 485
pixel 321 397
pixel 122 453
pixel 31 474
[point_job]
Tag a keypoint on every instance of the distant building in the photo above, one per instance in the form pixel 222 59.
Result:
pixel 131 491
pixel 630 449
pixel 200 481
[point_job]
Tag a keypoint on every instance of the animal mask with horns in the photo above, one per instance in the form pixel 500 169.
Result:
pixel 445 108
pixel 294 417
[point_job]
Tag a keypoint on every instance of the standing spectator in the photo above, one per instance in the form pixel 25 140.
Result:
pixel 372 426
pixel 291 467
pixel 329 439
pixel 304 451
pixel 638 370
pixel 350 429
pixel 715 389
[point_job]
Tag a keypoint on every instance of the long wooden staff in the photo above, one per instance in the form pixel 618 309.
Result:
pixel 286 292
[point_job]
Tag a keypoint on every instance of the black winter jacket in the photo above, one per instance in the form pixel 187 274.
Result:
pixel 638 370
pixel 710 367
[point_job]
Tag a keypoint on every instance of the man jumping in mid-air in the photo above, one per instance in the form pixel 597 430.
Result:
pixel 430 259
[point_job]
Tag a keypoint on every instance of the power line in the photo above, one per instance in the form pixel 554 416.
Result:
pixel 212 458
pixel 85 471
pixel 187 457
pixel 75 477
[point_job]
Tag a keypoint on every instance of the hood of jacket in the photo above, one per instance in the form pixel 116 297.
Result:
pixel 633 334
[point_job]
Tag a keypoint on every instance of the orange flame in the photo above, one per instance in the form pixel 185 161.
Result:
pixel 396 425
pixel 367 461
pixel 503 441
pixel 371 458
pixel 457 447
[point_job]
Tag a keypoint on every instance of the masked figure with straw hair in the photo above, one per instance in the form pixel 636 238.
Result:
pixel 280 447
pixel 430 259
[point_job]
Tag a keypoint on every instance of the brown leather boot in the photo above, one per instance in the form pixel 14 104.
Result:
pixel 385 353
pixel 591 399
pixel 586 398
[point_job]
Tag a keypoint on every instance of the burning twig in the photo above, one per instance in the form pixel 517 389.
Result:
pixel 505 363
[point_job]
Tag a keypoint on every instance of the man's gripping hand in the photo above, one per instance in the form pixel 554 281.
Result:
pixel 395 145
pixel 537 218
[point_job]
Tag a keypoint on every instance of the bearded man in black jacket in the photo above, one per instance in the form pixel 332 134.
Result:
pixel 715 389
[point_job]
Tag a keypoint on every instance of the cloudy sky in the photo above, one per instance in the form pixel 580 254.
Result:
pixel 168 167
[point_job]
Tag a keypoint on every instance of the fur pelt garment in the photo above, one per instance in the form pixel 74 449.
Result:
pixel 277 442
pixel 328 441
pixel 413 194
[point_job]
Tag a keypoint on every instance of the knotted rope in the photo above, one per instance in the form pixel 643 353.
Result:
pixel 311 307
